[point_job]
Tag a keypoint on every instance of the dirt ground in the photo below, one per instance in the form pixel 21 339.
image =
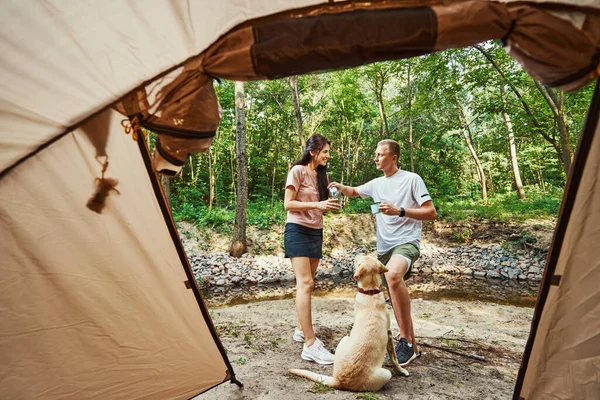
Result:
pixel 471 350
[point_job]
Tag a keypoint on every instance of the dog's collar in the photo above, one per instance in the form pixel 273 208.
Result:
pixel 370 292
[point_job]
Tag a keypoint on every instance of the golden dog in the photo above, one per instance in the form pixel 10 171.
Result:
pixel 359 357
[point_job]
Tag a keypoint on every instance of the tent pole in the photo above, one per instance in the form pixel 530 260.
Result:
pixel 191 283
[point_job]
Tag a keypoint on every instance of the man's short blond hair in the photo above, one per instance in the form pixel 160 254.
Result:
pixel 392 145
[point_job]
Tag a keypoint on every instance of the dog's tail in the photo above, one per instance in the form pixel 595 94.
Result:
pixel 313 376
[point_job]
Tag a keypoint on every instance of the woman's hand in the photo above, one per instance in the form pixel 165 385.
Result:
pixel 328 205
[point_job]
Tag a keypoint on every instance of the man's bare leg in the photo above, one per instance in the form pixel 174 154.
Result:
pixel 400 298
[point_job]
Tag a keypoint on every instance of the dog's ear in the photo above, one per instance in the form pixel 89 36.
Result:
pixel 359 259
pixel 382 268
pixel 360 271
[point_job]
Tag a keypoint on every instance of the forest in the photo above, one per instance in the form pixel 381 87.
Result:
pixel 488 140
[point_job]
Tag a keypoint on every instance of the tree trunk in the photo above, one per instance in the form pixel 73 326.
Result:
pixel 556 103
pixel 211 180
pixel 563 130
pixel 380 77
pixel 274 169
pixel 382 115
pixel 233 178
pixel 192 168
pixel 411 145
pixel 297 111
pixel 165 181
pixel 492 190
pixel 513 148
pixel 238 241
pixel 467 134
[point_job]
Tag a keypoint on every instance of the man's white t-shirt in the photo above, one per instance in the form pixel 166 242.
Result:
pixel 403 189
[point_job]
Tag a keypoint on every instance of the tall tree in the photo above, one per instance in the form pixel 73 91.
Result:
pixel 513 148
pixel 379 75
pixel 297 111
pixel 411 144
pixel 466 131
pixel 524 103
pixel 557 105
pixel 238 241
pixel 212 180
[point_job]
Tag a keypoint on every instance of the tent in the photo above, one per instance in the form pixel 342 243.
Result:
pixel 98 298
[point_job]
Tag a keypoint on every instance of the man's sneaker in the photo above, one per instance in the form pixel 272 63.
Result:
pixel 405 353
pixel 317 353
pixel 298 335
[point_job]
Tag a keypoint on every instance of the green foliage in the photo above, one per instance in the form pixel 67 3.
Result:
pixel 505 207
pixel 202 216
pixel 357 206
pixel 264 215
pixel 463 236
pixel 419 97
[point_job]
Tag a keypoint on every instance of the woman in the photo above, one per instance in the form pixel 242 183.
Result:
pixel 305 201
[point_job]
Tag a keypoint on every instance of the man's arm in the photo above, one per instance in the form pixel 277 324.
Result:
pixel 425 213
pixel 345 190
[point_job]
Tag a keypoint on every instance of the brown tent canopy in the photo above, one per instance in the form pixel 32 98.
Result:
pixel 98 297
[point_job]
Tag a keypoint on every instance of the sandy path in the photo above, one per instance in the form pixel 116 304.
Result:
pixel 257 337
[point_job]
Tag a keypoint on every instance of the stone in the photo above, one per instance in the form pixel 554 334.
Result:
pixel 479 274
pixel 513 274
pixel 534 270
pixel 493 275
pixel 236 280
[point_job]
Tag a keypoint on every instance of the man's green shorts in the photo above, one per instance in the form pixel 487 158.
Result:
pixel 407 250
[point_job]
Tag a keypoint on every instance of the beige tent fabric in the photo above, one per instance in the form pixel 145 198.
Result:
pixel 565 358
pixel 95 305
pixel 574 3
pixel 61 64
pixel 62 61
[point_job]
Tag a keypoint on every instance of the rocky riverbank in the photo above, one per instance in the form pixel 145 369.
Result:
pixel 480 261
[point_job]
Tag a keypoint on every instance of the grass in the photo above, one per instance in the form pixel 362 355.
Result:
pixel 367 396
pixel 502 207
pixel 318 387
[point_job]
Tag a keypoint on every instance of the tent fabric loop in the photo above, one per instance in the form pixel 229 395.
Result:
pixel 132 125
pixel 504 39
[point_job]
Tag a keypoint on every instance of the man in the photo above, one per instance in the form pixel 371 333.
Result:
pixel 404 203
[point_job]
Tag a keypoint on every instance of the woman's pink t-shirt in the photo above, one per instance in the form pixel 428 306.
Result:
pixel 304 181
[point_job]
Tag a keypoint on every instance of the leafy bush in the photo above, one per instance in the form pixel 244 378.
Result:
pixel 503 206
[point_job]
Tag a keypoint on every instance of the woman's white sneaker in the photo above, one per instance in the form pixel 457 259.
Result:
pixel 317 353
pixel 298 335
